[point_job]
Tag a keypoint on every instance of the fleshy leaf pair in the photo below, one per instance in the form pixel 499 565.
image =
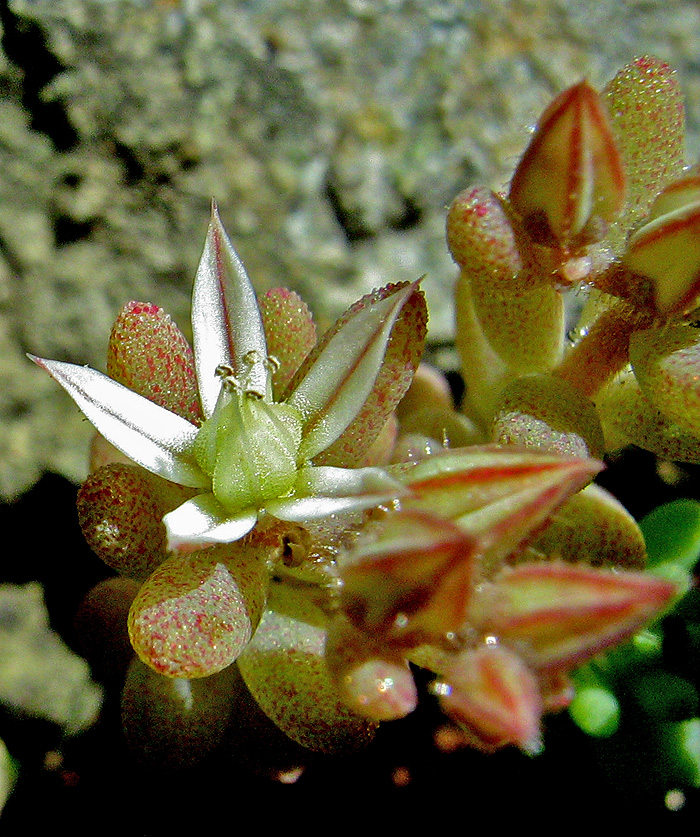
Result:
pixel 253 453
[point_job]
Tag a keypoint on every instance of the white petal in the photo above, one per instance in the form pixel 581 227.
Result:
pixel 226 321
pixel 203 521
pixel 299 509
pixel 152 436
pixel 337 385
pixel 341 482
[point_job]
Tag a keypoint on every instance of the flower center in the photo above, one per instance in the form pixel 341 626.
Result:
pixel 249 446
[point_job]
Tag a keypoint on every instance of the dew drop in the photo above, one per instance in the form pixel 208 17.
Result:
pixel 674 799
pixel 440 689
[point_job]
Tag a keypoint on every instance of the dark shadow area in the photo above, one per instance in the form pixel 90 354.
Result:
pixel 92 781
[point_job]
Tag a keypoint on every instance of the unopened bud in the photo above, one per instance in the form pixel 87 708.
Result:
pixel 570 182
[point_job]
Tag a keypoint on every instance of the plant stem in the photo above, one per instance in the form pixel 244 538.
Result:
pixel 601 352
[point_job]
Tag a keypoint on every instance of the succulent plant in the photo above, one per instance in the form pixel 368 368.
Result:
pixel 280 509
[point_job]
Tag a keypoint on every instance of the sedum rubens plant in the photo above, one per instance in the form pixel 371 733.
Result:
pixel 264 512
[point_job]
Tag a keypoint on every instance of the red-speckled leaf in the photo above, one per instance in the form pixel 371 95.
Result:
pixel 196 614
pixel 523 322
pixel 120 510
pixel 494 698
pixel 545 412
pixel 594 528
pixel 337 378
pixel 560 615
pixel 285 671
pixel 148 353
pixel 485 372
pixel 628 417
pixel 100 628
pixel 666 362
pixel 290 332
pixel 645 104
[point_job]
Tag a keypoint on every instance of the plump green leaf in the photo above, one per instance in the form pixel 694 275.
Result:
pixel 285 671
pixel 195 615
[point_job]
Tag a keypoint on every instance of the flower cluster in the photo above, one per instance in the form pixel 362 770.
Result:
pixel 271 501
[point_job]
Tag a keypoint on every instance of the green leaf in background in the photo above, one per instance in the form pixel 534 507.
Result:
pixel 672 535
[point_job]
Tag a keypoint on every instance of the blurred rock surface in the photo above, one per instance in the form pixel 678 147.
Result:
pixel 332 134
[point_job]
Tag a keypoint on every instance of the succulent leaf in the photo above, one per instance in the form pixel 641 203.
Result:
pixel 120 511
pixel 666 362
pixel 480 235
pixel 149 354
pixel 646 110
pixel 592 527
pixel 195 615
pixel 628 417
pixel 285 671
pixel 290 333
pixel 485 372
pixel 523 321
pixel 334 383
pixel 520 311
pixel 547 413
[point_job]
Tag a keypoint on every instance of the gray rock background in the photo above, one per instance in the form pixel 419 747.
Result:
pixel 332 134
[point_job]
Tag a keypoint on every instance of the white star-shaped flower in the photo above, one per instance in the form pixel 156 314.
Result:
pixel 252 454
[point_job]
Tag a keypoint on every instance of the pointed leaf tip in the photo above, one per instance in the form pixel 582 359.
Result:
pixel 226 320
pixel 333 385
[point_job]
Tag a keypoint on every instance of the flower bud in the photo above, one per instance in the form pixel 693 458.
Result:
pixel 570 182
pixel 373 680
pixel 560 615
pixel 409 579
pixel 495 698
